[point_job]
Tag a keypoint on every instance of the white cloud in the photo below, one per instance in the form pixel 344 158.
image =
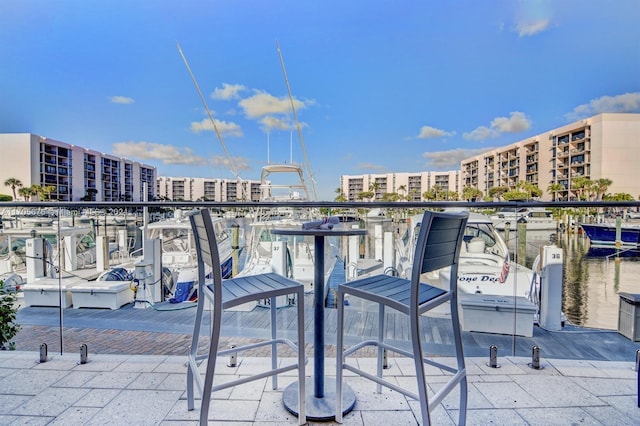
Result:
pixel 228 91
pixel 263 103
pixel 270 122
pixel 428 132
pixel 168 154
pixel 516 122
pixel 224 127
pixel 121 100
pixel 526 29
pixel 481 133
pixel 239 163
pixel 629 102
pixel 450 160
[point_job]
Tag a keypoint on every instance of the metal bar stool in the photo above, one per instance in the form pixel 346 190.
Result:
pixel 438 246
pixel 225 294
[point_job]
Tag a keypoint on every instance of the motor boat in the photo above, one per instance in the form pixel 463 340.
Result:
pixel 606 239
pixel 485 266
pixel 536 219
pixel 288 255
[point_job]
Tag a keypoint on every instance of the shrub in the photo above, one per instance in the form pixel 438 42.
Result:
pixel 8 314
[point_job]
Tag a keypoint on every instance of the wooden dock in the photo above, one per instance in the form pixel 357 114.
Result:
pixel 360 323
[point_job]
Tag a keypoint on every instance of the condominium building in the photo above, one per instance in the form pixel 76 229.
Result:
pixel 73 172
pixel 207 189
pixel 603 146
pixel 410 185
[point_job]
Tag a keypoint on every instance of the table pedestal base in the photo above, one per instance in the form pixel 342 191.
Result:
pixel 319 408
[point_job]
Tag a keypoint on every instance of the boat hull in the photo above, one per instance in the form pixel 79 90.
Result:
pixel 604 236
pixel 532 225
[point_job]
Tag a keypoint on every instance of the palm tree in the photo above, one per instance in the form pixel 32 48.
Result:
pixel 579 185
pixel 600 186
pixel 498 191
pixel 26 193
pixel 39 191
pixel 554 188
pixel 451 195
pixel 13 183
pixel 373 188
pixel 402 190
pixel 47 190
pixel 437 191
pixel 470 193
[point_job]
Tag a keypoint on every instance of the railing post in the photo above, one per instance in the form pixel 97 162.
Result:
pixel 535 358
pixel 43 352
pixel 84 353
pixel 235 248
pixel 638 371
pixel 233 358
pixel 493 357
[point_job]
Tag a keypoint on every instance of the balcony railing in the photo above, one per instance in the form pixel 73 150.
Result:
pixel 113 219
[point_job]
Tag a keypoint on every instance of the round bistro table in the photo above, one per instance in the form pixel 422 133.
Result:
pixel 320 404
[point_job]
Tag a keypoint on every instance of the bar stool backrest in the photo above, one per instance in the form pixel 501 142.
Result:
pixel 207 251
pixel 438 246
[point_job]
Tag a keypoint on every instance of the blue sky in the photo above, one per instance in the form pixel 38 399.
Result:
pixel 379 86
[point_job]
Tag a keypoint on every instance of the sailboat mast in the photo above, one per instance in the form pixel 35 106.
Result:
pixel 295 116
pixel 213 123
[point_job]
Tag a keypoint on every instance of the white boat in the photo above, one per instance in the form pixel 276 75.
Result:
pixel 19 218
pixel 484 266
pixel 291 256
pixel 178 256
pixel 13 242
pixel 376 215
pixel 536 218
pixel 179 260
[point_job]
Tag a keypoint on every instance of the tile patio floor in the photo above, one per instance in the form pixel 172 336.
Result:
pixel 150 390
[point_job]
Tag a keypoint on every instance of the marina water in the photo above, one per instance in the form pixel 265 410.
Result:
pixel 591 283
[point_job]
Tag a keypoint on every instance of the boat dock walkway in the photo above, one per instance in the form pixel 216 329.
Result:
pixel 166 332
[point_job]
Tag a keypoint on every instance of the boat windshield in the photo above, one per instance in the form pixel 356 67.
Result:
pixel 482 230
pixel 173 239
pixel 181 239
pixel 86 243
pixel 540 214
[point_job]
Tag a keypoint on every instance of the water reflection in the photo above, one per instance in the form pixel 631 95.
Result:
pixel 591 284
pixel 576 279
